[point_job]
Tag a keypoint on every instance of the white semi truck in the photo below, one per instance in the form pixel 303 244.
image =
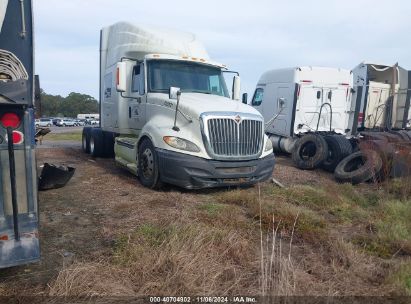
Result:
pixel 381 98
pixel 306 110
pixel 166 111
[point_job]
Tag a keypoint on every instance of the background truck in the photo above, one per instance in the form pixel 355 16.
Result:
pixel 167 116
pixel 19 242
pixel 381 98
pixel 307 110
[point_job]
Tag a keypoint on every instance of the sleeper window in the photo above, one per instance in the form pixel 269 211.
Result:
pixel 258 97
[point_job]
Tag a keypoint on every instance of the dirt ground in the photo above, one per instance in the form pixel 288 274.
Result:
pixel 78 222
pixel 82 221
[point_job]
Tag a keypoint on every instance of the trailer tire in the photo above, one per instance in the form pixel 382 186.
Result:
pixel 85 140
pixel 97 142
pixel 359 167
pixel 338 148
pixel 309 151
pixel 148 165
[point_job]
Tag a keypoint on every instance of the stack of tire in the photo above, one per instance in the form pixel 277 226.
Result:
pixel 335 153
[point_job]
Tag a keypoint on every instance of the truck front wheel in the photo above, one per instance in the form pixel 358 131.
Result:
pixel 148 167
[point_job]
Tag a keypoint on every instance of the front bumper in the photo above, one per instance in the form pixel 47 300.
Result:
pixel 192 172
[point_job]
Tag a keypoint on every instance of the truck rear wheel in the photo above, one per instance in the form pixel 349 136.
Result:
pixel 338 148
pixel 310 151
pixel 85 140
pixel 96 142
pixel 108 144
pixel 148 166
pixel 359 167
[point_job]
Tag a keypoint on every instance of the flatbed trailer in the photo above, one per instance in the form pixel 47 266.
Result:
pixel 19 240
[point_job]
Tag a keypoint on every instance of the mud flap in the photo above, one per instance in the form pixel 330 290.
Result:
pixel 13 252
pixel 53 177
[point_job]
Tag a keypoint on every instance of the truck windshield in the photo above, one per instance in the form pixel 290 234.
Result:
pixel 189 77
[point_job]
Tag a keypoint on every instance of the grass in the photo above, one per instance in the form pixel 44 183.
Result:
pixel 72 136
pixel 212 209
pixel 327 240
pixel 310 224
pixel 401 278
pixel 167 259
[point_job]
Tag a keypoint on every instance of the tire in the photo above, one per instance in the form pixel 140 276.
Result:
pixel 97 142
pixel 406 134
pixel 85 140
pixel 108 144
pixel 373 136
pixel 309 151
pixel 338 148
pixel 402 135
pixel 359 167
pixel 148 165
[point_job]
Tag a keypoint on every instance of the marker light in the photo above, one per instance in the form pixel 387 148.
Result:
pixel 10 120
pixel 17 137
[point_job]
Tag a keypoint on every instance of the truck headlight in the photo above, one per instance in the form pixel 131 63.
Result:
pixel 268 145
pixel 181 144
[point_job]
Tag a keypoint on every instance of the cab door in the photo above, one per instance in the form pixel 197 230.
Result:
pixel 138 98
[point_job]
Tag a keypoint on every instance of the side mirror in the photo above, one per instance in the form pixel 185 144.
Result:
pixel 330 95
pixel 37 95
pixel 121 75
pixel 173 92
pixel 236 87
pixel 245 98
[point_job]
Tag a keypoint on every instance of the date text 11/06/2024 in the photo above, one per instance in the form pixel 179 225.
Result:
pixel 234 299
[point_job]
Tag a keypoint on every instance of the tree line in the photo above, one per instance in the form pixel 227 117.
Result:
pixel 70 106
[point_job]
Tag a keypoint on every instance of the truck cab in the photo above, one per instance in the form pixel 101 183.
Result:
pixel 169 114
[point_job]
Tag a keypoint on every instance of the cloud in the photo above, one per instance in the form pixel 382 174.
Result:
pixel 249 36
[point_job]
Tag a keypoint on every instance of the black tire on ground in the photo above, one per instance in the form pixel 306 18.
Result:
pixel 339 148
pixel 404 135
pixel 372 135
pixel 96 142
pixel 85 140
pixel 148 165
pixel 386 151
pixel 310 151
pixel 108 144
pixel 359 167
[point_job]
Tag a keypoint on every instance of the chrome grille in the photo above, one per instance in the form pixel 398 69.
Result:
pixel 228 138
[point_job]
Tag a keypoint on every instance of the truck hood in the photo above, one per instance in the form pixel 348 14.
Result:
pixel 194 104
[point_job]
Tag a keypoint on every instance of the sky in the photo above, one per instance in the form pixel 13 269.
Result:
pixel 250 37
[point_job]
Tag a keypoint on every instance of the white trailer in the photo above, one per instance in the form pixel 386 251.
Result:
pixel 305 108
pixel 88 116
pixel 381 98
pixel 166 111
